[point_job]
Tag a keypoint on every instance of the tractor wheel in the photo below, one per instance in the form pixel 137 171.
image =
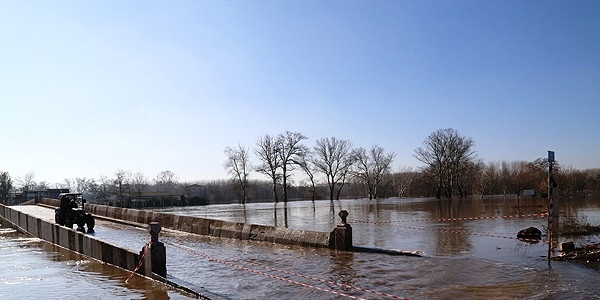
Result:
pixel 58 219
pixel 69 222
pixel 90 222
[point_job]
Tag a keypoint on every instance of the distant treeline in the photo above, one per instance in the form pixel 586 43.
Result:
pixel 495 178
pixel 491 179
pixel 330 169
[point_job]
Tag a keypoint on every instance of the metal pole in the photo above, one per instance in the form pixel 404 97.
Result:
pixel 551 206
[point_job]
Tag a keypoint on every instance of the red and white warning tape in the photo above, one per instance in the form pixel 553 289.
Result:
pixel 343 285
pixel 476 234
pixel 139 265
pixel 197 252
pixel 451 219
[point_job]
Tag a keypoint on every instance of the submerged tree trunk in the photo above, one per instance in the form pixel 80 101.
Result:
pixel 275 191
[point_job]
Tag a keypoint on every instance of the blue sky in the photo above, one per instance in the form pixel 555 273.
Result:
pixel 90 87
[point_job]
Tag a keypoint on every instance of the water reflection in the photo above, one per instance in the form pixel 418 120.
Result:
pixel 245 213
pixel 276 224
pixel 285 215
pixel 332 210
pixel 342 269
pixel 445 227
pixel 459 242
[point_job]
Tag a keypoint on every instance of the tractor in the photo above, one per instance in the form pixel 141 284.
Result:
pixel 71 212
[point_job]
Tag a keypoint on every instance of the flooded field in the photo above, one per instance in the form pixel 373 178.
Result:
pixel 468 245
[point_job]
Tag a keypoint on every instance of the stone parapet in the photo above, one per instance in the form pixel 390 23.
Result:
pixel 71 239
pixel 210 227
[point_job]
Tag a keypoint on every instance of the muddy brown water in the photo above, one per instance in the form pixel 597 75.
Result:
pixel 468 246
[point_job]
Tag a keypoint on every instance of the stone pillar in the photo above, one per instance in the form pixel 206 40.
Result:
pixel 341 237
pixel 155 259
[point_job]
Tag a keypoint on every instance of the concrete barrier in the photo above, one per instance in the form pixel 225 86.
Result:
pixel 71 239
pixel 210 227
pixel 89 246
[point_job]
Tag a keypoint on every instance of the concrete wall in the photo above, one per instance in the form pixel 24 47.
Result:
pixel 71 239
pixel 210 227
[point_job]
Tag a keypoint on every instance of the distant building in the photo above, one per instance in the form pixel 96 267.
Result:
pixel 529 193
pixel 19 197
pixel 196 190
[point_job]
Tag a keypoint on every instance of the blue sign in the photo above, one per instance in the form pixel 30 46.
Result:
pixel 550 156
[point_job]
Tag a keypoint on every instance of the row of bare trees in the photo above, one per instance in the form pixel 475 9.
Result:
pixel 331 160
pixel 121 189
pixel 451 168
pixel 492 178
pixel 333 169
pixel 514 177
pixel 506 178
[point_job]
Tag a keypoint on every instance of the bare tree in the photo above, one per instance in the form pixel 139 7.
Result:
pixel 446 152
pixel 165 181
pixel 68 184
pixel 238 165
pixel 139 183
pixel 308 167
pixel 371 166
pixel 83 185
pixel 364 169
pixel 267 152
pixel 468 177
pixel 122 182
pixel 27 182
pixel 382 166
pixel 566 177
pixel 519 177
pixel 5 186
pixel 538 173
pixel 334 159
pixel 290 151
pixel 490 178
pixel 404 180
pixel 572 182
pixel 102 190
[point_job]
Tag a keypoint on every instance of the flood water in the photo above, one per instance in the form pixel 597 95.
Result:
pixel 473 255
pixel 468 245
pixel 33 269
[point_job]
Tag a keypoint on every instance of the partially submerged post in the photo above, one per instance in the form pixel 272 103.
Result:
pixel 155 254
pixel 341 237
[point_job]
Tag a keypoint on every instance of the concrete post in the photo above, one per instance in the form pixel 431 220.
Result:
pixel 155 260
pixel 341 237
